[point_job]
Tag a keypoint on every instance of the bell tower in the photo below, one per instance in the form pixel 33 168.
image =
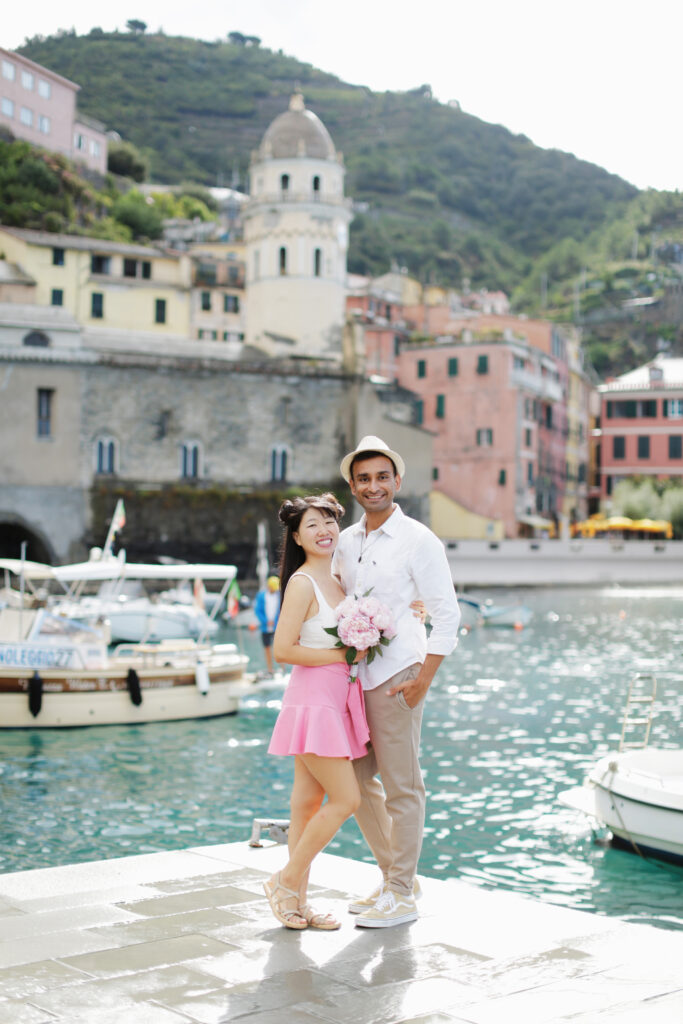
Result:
pixel 296 239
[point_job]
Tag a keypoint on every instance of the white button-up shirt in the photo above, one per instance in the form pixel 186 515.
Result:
pixel 399 562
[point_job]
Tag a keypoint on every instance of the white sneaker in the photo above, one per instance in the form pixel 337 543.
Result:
pixel 358 906
pixel 391 908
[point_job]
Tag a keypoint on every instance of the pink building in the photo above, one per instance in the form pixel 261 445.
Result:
pixel 641 421
pixel 496 409
pixel 381 314
pixel 39 106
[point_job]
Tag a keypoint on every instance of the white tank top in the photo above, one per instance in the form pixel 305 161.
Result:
pixel 313 630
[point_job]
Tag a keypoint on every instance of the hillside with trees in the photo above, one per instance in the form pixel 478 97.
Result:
pixel 623 284
pixel 452 198
pixel 437 190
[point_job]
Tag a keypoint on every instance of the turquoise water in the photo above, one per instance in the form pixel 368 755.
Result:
pixel 511 720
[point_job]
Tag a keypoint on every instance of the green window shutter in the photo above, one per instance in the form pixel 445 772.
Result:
pixel 453 367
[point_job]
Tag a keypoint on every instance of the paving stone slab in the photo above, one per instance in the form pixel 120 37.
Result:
pixel 142 955
pixel 36 978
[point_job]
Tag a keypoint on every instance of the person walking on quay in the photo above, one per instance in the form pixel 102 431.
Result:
pixel 267 611
pixel 398 559
pixel 322 720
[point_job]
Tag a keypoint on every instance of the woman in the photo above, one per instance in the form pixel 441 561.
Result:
pixel 322 721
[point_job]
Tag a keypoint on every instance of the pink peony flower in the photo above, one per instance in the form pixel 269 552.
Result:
pixel 357 631
pixel 362 623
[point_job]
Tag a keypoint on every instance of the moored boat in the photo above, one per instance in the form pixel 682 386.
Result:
pixel 57 672
pixel 637 791
pixel 638 796
pixel 486 613
pixel 136 616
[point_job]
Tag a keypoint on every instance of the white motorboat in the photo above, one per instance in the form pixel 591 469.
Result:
pixel 57 671
pixel 637 791
pixel 638 796
pixel 132 614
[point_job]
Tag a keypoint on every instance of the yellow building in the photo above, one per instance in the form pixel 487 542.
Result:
pixel 575 503
pixel 105 285
pixel 217 304
pixel 449 519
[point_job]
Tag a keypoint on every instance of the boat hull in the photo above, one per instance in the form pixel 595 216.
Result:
pixel 103 698
pixel 638 796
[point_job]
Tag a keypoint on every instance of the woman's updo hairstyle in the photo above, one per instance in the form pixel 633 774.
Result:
pixel 290 515
pixel 292 510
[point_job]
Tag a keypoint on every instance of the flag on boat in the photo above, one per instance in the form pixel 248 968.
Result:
pixel 118 521
pixel 233 599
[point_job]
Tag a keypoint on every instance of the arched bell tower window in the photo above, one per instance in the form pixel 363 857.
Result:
pixel 106 455
pixel 283 261
pixel 278 463
pixel 36 339
pixel 316 187
pixel 317 262
pixel 190 460
pixel 284 183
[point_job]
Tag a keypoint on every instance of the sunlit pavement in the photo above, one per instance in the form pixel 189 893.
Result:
pixel 188 936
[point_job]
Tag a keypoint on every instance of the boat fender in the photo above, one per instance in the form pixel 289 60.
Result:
pixel 35 694
pixel 201 677
pixel 134 688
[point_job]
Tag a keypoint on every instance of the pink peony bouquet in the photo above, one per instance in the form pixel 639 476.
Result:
pixel 362 622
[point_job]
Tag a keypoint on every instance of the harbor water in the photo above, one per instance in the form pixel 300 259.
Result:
pixel 512 719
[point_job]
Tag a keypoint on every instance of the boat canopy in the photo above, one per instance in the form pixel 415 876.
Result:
pixel 113 569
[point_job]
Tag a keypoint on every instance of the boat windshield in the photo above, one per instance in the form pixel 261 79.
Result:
pixel 60 626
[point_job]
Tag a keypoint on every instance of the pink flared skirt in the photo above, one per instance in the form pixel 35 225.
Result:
pixel 323 713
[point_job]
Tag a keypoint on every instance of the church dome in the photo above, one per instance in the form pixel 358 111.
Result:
pixel 297 132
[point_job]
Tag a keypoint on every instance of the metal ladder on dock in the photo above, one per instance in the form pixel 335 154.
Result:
pixel 638 711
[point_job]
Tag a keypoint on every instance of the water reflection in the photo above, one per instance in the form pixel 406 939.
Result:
pixel 512 719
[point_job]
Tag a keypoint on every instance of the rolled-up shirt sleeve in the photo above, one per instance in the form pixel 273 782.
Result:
pixel 432 576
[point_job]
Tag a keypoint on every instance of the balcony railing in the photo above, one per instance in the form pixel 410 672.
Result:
pixel 541 386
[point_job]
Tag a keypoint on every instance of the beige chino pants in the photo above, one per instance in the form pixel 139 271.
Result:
pixel 392 812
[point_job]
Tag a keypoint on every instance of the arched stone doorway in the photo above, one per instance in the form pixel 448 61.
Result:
pixel 14 532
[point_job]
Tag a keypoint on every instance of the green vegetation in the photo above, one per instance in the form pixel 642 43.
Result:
pixel 436 190
pixel 43 191
pixel 619 283
pixel 447 195
pixel 644 498
pixel 125 159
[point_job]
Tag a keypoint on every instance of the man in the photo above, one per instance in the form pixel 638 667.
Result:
pixel 401 560
pixel 267 611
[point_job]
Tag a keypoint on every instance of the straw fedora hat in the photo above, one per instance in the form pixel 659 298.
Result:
pixel 371 444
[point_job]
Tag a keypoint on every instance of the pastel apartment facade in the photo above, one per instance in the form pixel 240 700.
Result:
pixel 39 107
pixel 492 406
pixel 641 424
pixel 105 285
pixel 376 306
pixel 218 306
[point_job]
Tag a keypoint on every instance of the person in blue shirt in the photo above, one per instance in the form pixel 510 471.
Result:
pixel 267 611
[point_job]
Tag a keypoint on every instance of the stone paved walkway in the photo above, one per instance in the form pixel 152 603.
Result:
pixel 188 936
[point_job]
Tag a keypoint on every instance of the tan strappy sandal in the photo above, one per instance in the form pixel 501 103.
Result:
pixel 318 919
pixel 289 918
